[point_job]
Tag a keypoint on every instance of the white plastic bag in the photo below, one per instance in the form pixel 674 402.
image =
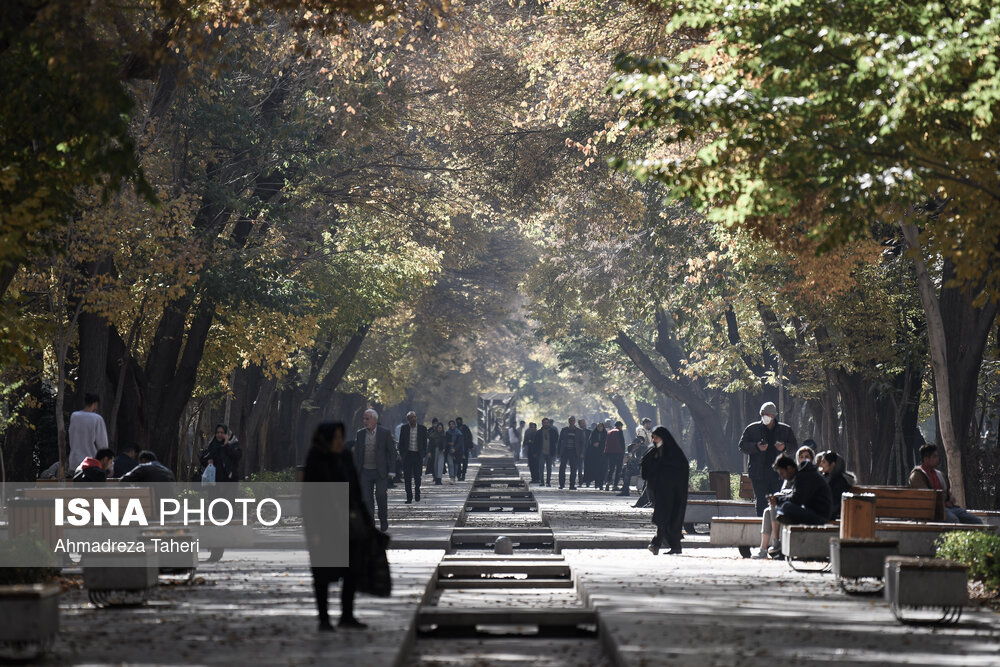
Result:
pixel 208 474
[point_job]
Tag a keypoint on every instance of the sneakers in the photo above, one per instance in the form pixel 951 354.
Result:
pixel 759 555
pixel 352 624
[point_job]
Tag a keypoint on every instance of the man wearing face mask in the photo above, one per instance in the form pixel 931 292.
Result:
pixel 762 442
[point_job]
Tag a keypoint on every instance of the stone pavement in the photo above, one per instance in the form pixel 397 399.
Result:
pixel 710 607
pixel 706 607
pixel 252 608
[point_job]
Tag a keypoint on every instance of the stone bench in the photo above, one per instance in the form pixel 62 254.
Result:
pixel 706 511
pixel 923 584
pixel 120 579
pixel 915 538
pixel 740 532
pixel 854 560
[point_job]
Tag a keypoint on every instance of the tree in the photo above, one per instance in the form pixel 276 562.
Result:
pixel 812 120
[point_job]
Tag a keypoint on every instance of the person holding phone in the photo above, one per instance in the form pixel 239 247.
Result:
pixel 762 442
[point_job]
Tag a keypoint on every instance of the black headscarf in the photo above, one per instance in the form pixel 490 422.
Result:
pixel 671 459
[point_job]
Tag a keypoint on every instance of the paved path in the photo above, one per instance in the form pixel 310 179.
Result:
pixel 710 607
pixel 706 607
pixel 254 609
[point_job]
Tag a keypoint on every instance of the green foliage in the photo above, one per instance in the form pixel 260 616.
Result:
pixel 286 475
pixel 697 477
pixel 807 120
pixel 27 549
pixel 979 550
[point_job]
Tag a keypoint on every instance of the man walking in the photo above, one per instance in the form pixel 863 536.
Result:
pixel 413 452
pixel 533 453
pixel 514 439
pixel 453 448
pixel 570 446
pixel 87 432
pixel 468 450
pixel 582 448
pixel 375 460
pixel 762 442
pixel 614 454
pixel 546 441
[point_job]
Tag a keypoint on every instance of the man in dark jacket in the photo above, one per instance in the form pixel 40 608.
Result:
pixel 470 446
pixel 762 442
pixel 148 470
pixel 571 445
pixel 546 442
pixel 413 451
pixel 810 501
pixel 375 460
pixel 127 459
pixel 532 452
pixel 95 469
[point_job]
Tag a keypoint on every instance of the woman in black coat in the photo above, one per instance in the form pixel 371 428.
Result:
pixel 329 461
pixel 593 460
pixel 665 469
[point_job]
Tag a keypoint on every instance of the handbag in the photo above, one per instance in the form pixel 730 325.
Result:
pixel 374 577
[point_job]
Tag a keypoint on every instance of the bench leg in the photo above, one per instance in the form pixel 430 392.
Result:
pixel 818 567
pixel 866 586
pixel 746 552
pixel 949 616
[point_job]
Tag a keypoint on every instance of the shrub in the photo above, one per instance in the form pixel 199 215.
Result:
pixel 26 549
pixel 286 475
pixel 979 550
pixel 697 479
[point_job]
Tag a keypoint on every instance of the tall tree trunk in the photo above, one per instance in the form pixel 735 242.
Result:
pixel 624 413
pixel 702 412
pixel 957 332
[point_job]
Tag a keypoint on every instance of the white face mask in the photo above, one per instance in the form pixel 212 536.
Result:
pixel 766 419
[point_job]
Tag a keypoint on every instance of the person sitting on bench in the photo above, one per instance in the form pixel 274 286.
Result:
pixel 834 470
pixel 95 469
pixel 810 502
pixel 927 476
pixel 768 537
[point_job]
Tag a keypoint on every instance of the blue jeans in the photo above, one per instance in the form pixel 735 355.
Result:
pixel 789 512
pixel 374 489
pixel 545 474
pixel 960 515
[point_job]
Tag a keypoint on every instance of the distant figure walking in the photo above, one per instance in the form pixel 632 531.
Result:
pixel 453 448
pixel 593 466
pixel 87 432
pixel 329 461
pixel 546 442
pixel 375 461
pixel 614 454
pixel 413 452
pixel 532 451
pixel 468 449
pixel 665 469
pixel 435 446
pixel 570 443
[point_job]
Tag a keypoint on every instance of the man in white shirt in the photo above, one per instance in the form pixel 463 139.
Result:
pixel 87 432
pixel 413 452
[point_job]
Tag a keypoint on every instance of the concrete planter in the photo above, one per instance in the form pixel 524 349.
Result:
pixel 29 620
pixel 857 559
pixel 119 579
pixel 859 564
pixel 926 583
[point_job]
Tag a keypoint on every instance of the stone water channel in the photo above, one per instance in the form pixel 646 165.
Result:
pixel 520 608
